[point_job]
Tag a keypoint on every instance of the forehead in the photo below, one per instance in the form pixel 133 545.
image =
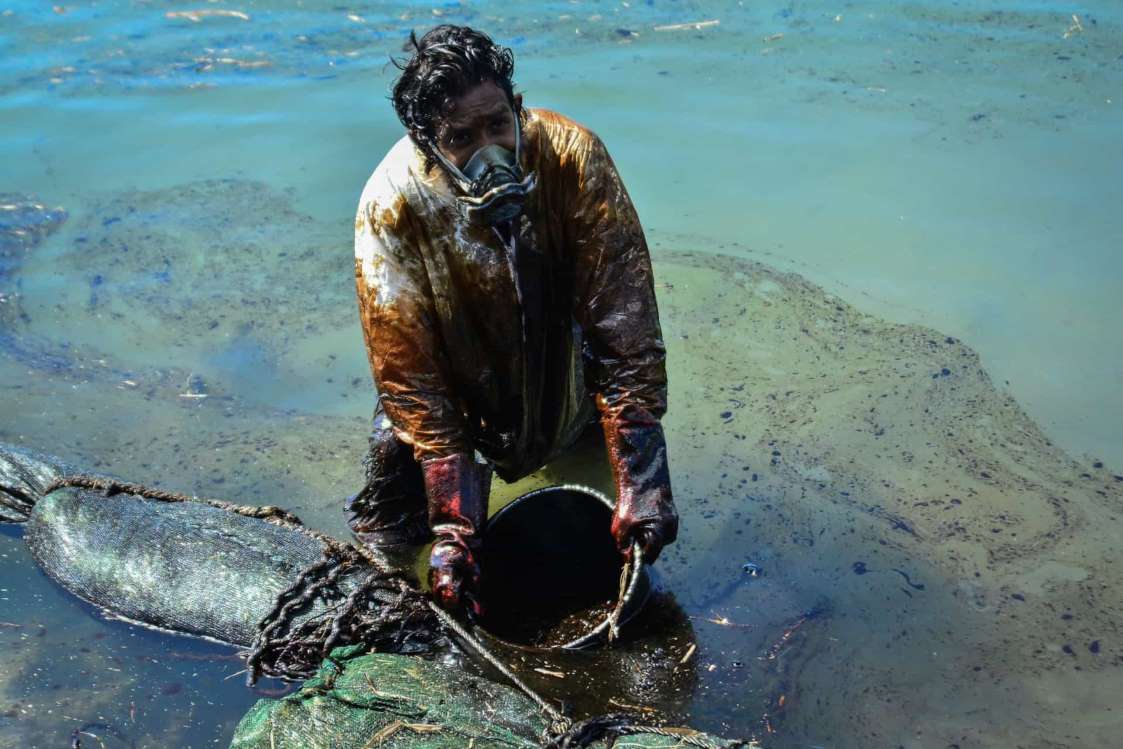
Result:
pixel 482 100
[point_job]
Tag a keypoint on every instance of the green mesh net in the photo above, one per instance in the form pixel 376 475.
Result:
pixel 364 701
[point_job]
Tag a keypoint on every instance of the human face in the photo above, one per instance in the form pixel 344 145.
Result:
pixel 479 117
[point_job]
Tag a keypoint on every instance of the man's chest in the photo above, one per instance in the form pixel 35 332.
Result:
pixel 518 266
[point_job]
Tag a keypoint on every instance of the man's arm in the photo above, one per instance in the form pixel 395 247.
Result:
pixel 617 312
pixel 411 373
pixel 399 325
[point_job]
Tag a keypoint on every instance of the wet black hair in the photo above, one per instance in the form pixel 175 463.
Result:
pixel 446 61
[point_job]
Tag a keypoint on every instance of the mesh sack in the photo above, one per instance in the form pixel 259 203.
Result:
pixel 362 701
pixel 286 594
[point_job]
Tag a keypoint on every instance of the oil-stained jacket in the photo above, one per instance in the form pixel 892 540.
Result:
pixel 477 344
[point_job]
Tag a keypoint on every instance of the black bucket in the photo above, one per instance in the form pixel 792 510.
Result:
pixel 552 573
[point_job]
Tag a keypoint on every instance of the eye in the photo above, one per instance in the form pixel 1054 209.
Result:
pixel 499 125
pixel 457 138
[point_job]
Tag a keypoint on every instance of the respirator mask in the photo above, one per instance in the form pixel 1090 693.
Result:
pixel 492 181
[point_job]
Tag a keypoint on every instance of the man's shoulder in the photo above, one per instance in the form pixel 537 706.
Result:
pixel 563 133
pixel 391 180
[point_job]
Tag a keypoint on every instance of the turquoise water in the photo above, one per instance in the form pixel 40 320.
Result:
pixel 947 165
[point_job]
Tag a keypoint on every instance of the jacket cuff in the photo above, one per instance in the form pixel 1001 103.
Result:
pixel 456 488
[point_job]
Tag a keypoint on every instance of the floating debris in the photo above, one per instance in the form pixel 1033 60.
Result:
pixel 696 25
pixel 207 63
pixel 752 569
pixel 629 706
pixel 1075 28
pixel 194 388
pixel 195 16
pixel 724 621
pixel 399 725
pixel 548 672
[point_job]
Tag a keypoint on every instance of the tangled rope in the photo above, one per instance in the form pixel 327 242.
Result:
pixel 382 612
pixel 111 486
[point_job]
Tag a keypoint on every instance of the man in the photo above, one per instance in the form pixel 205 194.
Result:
pixel 506 298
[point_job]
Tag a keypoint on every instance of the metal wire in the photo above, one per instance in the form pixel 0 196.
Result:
pixel 559 722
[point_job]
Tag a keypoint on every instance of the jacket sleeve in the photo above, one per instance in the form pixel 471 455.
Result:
pixel 403 343
pixel 615 303
pixel 616 310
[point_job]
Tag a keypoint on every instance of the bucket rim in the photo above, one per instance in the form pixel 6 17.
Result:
pixel 637 572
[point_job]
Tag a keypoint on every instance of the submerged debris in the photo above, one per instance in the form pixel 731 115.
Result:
pixel 25 221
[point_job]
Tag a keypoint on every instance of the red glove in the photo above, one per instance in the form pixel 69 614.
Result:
pixel 645 509
pixel 457 489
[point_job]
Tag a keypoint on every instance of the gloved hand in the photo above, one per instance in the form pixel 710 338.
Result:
pixel 457 489
pixel 645 510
